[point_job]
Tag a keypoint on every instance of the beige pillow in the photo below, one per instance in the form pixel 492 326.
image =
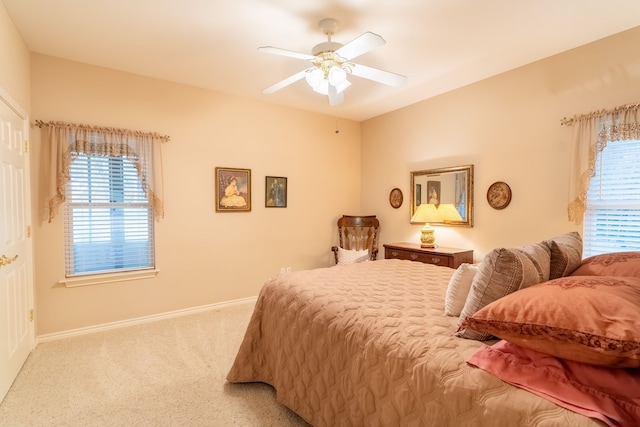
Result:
pixel 349 256
pixel 566 254
pixel 589 319
pixel 502 272
pixel 458 289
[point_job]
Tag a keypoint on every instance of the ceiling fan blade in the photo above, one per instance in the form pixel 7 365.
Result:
pixel 377 75
pixel 335 97
pixel 362 44
pixel 285 52
pixel 286 82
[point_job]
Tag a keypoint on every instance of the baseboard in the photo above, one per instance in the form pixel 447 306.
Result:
pixel 140 320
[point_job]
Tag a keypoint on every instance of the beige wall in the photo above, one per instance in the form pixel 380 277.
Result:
pixel 14 62
pixel 509 128
pixel 204 257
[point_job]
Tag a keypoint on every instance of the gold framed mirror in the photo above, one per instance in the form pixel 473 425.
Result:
pixel 446 187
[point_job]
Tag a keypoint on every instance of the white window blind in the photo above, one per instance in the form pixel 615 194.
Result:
pixel 108 220
pixel 612 216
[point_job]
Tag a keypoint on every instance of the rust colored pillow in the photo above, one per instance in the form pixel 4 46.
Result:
pixel 611 264
pixel 589 319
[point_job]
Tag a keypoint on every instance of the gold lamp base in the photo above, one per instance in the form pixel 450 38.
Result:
pixel 427 238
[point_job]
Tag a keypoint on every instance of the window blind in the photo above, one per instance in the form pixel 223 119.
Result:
pixel 612 216
pixel 108 220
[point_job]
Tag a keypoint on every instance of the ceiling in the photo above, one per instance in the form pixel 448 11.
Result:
pixel 439 44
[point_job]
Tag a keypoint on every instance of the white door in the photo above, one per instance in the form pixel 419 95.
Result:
pixel 16 273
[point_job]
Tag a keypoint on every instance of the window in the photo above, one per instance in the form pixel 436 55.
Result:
pixel 109 223
pixel 612 215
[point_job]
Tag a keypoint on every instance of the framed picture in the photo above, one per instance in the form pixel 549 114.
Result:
pixel 418 196
pixel 275 192
pixel 499 195
pixel 433 193
pixel 233 190
pixel 396 198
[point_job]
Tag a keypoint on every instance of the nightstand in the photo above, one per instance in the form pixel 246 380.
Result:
pixel 448 257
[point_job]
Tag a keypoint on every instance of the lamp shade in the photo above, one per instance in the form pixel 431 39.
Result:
pixel 449 213
pixel 314 78
pixel 426 213
pixel 337 76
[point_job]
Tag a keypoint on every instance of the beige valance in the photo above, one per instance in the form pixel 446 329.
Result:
pixel 68 140
pixel 591 133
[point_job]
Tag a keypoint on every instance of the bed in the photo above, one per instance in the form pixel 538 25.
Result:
pixel 369 344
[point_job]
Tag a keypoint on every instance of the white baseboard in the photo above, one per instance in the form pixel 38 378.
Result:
pixel 140 320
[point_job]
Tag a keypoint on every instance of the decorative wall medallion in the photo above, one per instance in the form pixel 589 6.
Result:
pixel 499 195
pixel 395 198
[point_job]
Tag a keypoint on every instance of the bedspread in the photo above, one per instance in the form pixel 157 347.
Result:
pixel 368 344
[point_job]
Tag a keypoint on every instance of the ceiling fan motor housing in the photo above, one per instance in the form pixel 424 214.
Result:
pixel 325 47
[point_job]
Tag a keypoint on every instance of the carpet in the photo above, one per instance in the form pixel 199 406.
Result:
pixel 169 372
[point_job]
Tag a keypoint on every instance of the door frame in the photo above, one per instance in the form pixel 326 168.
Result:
pixel 7 100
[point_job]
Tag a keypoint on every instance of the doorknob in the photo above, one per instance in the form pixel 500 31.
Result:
pixel 4 260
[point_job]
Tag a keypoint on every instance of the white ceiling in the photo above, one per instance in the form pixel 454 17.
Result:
pixel 439 44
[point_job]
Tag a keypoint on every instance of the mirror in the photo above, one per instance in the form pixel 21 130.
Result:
pixel 445 186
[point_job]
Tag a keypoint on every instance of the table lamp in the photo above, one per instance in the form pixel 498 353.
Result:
pixel 427 213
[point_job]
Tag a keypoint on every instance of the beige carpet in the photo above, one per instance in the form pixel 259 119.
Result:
pixel 166 373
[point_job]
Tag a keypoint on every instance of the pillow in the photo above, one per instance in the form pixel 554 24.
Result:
pixel 458 289
pixel 566 254
pixel 501 272
pixel 588 319
pixel 349 256
pixel 612 264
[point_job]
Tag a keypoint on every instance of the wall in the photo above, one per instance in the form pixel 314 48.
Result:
pixel 509 128
pixel 204 257
pixel 14 62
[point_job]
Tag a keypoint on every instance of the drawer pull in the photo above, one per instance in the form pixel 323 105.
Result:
pixel 435 260
pixel 414 256
pixel 394 253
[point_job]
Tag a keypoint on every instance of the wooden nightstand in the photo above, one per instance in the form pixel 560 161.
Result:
pixel 448 257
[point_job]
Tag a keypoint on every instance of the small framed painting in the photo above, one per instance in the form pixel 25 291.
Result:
pixel 275 192
pixel 395 198
pixel 499 195
pixel 433 192
pixel 233 190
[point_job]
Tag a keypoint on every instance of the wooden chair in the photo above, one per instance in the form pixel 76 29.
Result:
pixel 358 232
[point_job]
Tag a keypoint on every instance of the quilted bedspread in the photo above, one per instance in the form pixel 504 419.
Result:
pixel 368 344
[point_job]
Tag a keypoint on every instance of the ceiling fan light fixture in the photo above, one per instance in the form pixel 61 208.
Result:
pixel 322 88
pixel 342 86
pixel 337 76
pixel 314 78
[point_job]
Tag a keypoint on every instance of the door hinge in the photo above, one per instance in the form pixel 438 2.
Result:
pixel 31 315
pixel 28 231
pixel 26 146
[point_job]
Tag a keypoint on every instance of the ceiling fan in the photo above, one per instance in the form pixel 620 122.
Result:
pixel 331 64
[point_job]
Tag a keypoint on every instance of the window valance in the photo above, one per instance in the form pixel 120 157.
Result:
pixel 591 133
pixel 142 148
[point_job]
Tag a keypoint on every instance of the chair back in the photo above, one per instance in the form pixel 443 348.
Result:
pixel 358 233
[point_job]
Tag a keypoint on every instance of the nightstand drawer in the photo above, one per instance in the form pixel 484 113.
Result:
pixel 437 260
pixel 446 257
pixel 416 256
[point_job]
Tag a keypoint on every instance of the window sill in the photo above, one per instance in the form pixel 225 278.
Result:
pixel 98 279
